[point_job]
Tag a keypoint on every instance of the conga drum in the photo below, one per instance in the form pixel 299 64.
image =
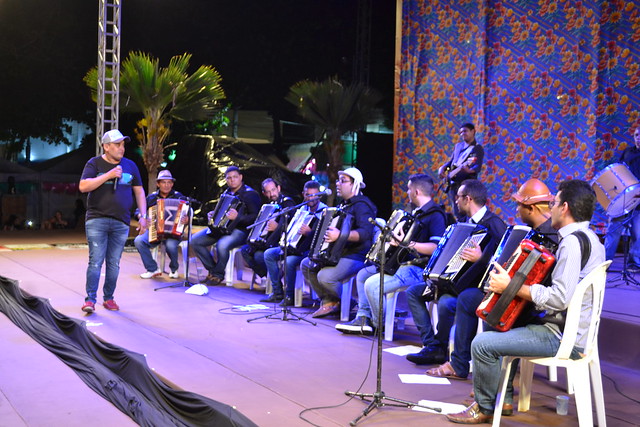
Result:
pixel 617 189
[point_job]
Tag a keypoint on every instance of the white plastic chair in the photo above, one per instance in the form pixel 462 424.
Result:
pixel 579 371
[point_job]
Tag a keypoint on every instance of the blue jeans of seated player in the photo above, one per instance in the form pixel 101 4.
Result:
pixel 255 260
pixel 614 231
pixel 488 347
pixel 271 258
pixel 406 276
pixel 106 238
pixel 144 249
pixel 463 307
pixel 201 241
pixel 422 319
pixel 327 282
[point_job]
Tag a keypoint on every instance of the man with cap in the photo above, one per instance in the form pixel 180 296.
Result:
pixel 326 280
pixel 165 191
pixel 112 182
pixel 533 199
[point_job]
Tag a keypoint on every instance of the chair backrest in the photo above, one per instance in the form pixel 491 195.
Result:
pixel 595 281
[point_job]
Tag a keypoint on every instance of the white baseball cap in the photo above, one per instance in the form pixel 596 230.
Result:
pixel 356 175
pixel 114 135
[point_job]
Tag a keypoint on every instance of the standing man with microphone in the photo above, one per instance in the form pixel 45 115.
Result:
pixel 112 182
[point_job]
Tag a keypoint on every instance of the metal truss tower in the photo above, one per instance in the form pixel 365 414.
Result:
pixel 108 68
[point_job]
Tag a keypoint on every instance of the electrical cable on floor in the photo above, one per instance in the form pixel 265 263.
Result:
pixel 620 392
pixel 366 376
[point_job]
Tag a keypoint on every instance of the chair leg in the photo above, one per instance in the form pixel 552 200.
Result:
pixel 526 379
pixel 598 394
pixel 580 377
pixel 299 291
pixel 507 365
pixel 345 301
pixel 391 300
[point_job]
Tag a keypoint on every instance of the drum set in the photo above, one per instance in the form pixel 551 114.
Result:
pixel 618 191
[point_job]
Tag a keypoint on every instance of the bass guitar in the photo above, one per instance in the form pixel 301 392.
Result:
pixel 449 175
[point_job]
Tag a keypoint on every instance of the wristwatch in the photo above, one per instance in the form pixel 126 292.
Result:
pixel 142 216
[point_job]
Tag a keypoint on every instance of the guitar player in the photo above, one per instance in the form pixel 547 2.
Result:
pixel 465 163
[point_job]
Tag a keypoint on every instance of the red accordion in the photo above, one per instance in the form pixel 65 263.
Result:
pixel 531 263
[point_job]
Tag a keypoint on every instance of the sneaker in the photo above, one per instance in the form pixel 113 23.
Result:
pixel 173 275
pixel 111 305
pixel 89 307
pixel 360 325
pixel 272 298
pixel 428 356
pixel 286 302
pixel 632 268
pixel 150 274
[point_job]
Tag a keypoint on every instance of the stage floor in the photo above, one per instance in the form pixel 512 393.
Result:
pixel 270 370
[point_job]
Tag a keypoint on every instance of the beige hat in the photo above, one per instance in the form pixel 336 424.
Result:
pixel 114 135
pixel 532 192
pixel 165 174
pixel 356 175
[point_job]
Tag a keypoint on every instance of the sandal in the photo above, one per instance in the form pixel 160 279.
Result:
pixel 445 371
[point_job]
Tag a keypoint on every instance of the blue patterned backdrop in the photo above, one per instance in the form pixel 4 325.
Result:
pixel 553 88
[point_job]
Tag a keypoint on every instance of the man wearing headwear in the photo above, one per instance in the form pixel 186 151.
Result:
pixel 326 281
pixel 165 191
pixel 112 181
pixel 533 199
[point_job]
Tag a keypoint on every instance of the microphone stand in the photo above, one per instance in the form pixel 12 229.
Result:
pixel 186 281
pixel 287 313
pixel 377 398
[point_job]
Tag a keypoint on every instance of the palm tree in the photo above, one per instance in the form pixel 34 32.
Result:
pixel 335 109
pixel 163 95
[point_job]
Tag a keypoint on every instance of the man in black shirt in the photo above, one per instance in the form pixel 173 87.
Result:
pixel 245 215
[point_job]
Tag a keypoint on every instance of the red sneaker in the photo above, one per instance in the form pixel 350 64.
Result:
pixel 111 305
pixel 89 307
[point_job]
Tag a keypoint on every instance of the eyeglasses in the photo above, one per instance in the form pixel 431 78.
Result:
pixel 461 196
pixel 552 203
pixel 342 181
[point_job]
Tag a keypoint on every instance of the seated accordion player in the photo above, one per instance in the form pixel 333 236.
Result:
pixel 446 265
pixel 400 223
pixel 527 256
pixel 295 242
pixel 166 219
pixel 260 238
pixel 329 253
pixel 218 220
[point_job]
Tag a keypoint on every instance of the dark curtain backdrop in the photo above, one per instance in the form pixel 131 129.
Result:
pixel 553 88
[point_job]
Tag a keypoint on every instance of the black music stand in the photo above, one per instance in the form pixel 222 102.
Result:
pixel 377 398
pixel 625 275
pixel 287 313
pixel 186 281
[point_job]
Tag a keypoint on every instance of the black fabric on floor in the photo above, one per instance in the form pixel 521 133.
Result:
pixel 120 376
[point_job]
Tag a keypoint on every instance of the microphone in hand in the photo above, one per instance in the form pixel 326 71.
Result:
pixel 117 178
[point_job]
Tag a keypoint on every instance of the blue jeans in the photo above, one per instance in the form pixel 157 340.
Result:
pixel 327 281
pixel 255 260
pixel 463 307
pixel 406 276
pixel 201 241
pixel 422 319
pixel 616 227
pixel 144 249
pixel 106 238
pixel 488 347
pixel 271 258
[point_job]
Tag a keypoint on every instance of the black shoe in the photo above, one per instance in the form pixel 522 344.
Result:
pixel 286 302
pixel 428 356
pixel 273 298
pixel 360 325
pixel 212 280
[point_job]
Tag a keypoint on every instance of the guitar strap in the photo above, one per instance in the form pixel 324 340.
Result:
pixel 464 156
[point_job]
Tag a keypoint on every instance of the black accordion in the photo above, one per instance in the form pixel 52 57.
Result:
pixel 259 237
pixel 401 223
pixel 218 220
pixel 329 253
pixel 295 242
pixel 446 266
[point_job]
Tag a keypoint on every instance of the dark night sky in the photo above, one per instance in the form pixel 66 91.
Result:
pixel 259 47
